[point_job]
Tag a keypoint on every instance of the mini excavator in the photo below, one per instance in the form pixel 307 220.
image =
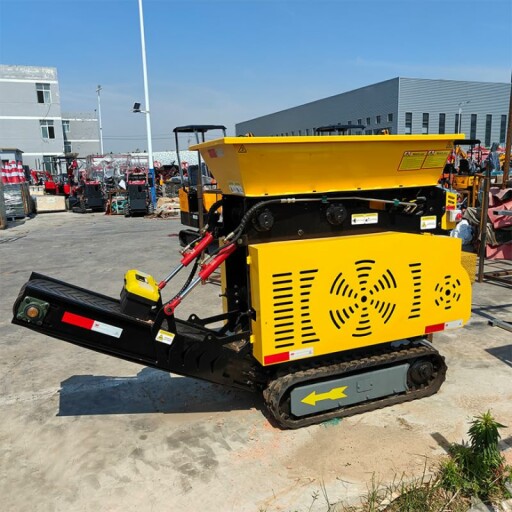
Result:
pixel 336 270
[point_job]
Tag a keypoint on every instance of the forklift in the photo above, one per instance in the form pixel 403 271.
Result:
pixel 198 186
pixel 334 282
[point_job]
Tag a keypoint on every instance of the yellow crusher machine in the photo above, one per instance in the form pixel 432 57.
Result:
pixel 336 269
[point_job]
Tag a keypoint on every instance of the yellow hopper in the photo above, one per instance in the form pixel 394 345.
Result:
pixel 270 166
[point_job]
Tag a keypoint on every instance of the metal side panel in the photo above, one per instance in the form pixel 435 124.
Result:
pixel 322 396
pixel 320 296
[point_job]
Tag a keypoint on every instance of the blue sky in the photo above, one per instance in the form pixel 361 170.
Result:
pixel 226 61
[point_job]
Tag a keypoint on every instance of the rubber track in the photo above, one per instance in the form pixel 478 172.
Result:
pixel 277 393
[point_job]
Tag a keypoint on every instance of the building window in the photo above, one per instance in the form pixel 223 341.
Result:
pixel 368 121
pixel 424 124
pixel 503 128
pixel 390 118
pixel 65 126
pixel 307 131
pixel 47 129
pixel 349 123
pixel 359 121
pixel 377 119
pixel 43 93
pixel 458 123
pixel 488 128
pixel 48 164
pixel 442 123
pixel 408 123
pixel 368 132
pixel 472 131
pixel 67 146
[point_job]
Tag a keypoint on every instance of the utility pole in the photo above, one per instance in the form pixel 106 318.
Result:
pixel 151 170
pixel 98 90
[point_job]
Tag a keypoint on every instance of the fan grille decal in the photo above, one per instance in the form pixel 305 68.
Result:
pixel 283 309
pixel 292 317
pixel 367 301
pixel 308 334
pixel 416 274
pixel 447 292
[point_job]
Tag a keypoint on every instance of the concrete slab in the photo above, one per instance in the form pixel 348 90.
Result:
pixel 84 431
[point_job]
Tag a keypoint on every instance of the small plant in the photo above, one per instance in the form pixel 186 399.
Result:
pixel 478 468
pixel 423 494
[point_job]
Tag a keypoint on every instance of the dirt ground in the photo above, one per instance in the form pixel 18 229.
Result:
pixel 83 431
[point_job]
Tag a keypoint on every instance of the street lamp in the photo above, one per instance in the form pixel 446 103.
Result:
pixel 151 170
pixel 98 90
pixel 459 127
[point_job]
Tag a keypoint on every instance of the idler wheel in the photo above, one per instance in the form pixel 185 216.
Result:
pixel 421 372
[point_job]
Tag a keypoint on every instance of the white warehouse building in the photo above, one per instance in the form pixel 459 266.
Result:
pixel 401 106
pixel 32 122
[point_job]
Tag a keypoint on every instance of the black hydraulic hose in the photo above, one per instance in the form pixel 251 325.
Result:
pixel 235 234
pixel 213 208
pixel 248 215
pixel 209 222
pixel 188 281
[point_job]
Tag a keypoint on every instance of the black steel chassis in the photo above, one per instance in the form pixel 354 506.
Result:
pixel 196 350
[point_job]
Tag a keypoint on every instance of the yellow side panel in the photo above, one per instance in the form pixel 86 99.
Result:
pixel 315 297
pixel 210 197
pixel 258 166
pixel 183 197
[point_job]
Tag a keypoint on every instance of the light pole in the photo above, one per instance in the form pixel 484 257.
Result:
pixel 151 170
pixel 98 90
pixel 459 127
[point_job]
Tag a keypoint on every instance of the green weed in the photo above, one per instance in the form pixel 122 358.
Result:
pixel 478 468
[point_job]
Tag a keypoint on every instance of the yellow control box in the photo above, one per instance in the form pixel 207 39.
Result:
pixel 140 293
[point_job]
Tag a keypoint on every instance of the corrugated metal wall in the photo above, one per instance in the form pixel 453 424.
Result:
pixel 392 99
pixel 447 96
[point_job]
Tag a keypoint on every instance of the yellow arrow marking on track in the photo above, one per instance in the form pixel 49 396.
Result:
pixel 333 394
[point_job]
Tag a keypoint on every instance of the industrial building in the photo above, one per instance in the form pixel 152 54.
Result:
pixel 400 106
pixel 32 123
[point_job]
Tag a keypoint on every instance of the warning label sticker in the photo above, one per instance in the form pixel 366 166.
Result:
pixel 165 337
pixel 435 159
pixel 302 352
pixel 412 160
pixel 109 330
pixel 428 222
pixel 364 218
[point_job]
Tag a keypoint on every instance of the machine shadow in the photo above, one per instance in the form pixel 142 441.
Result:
pixel 486 311
pixel 503 353
pixel 150 391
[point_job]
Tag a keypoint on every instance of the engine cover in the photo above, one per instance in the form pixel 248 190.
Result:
pixel 321 296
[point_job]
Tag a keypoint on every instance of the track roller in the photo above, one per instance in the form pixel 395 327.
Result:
pixel 389 376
